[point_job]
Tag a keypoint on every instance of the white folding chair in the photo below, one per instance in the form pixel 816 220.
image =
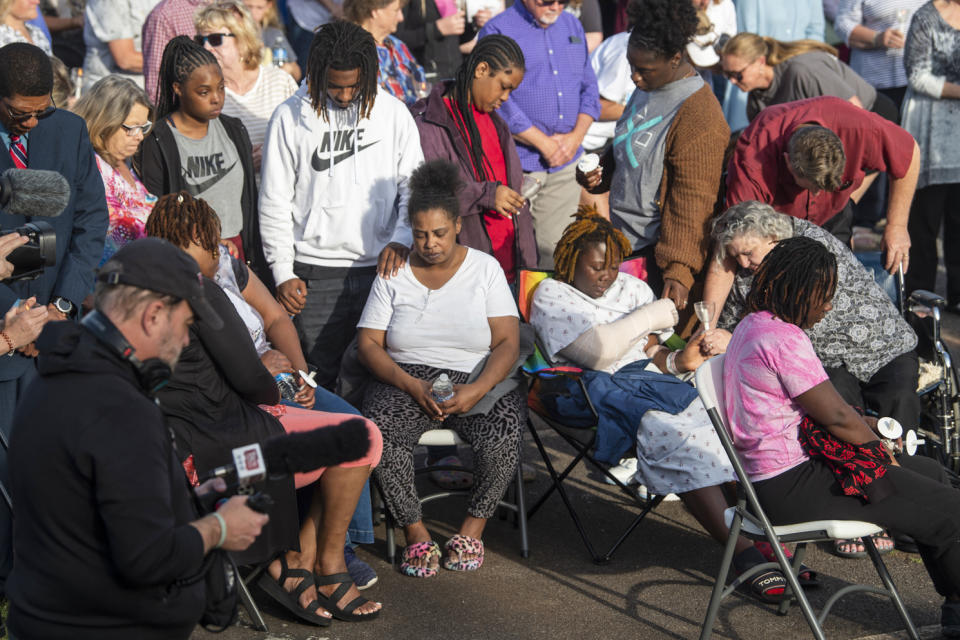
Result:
pixel 749 519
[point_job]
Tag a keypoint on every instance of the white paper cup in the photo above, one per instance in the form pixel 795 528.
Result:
pixel 588 162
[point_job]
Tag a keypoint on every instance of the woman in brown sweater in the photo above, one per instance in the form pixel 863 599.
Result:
pixel 663 169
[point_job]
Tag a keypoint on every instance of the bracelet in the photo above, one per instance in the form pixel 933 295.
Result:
pixel 6 338
pixel 223 530
pixel 672 363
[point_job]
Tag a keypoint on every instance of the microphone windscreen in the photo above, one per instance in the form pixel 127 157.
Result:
pixel 34 192
pixel 305 451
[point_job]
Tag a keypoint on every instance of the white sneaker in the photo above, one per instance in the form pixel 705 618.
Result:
pixel 625 472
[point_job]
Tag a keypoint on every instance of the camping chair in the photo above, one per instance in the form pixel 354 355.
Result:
pixel 580 436
pixel 449 437
pixel 749 519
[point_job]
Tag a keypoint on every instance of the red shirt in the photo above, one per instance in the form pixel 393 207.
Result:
pixel 499 229
pixel 758 170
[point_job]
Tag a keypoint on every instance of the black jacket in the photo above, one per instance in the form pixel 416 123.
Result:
pixel 211 406
pixel 157 162
pixel 437 53
pixel 101 529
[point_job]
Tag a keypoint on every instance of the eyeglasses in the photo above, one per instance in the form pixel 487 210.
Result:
pixel 550 3
pixel 19 117
pixel 215 39
pixel 133 129
pixel 737 75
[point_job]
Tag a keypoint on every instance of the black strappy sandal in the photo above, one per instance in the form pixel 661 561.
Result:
pixel 330 602
pixel 291 600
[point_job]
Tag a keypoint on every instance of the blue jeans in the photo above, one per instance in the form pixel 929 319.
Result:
pixel 360 530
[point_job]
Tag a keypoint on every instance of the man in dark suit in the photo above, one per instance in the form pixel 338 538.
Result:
pixel 35 134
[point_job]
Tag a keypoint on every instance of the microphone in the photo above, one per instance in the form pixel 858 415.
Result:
pixel 33 192
pixel 298 452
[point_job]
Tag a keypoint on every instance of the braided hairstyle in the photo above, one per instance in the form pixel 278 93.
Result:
pixel 797 276
pixel 666 27
pixel 589 228
pixel 434 185
pixel 499 52
pixel 182 219
pixel 181 57
pixel 342 46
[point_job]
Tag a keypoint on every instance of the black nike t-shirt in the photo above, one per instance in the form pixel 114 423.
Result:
pixel 212 170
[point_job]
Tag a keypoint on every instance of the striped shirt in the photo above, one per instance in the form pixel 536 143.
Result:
pixel 254 108
pixel 874 65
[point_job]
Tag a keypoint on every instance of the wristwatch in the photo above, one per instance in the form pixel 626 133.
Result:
pixel 64 306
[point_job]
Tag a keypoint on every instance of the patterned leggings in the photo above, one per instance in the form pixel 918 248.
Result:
pixel 495 438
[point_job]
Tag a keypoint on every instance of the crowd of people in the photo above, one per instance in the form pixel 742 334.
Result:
pixel 302 215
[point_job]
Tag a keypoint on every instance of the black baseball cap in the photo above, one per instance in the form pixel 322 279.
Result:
pixel 157 265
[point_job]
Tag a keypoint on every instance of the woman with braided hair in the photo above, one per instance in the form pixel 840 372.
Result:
pixel 593 316
pixel 194 148
pixel 458 122
pixel 809 455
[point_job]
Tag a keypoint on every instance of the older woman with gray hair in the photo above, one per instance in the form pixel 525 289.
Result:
pixel 865 345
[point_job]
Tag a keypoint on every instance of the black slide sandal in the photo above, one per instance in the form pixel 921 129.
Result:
pixel 330 602
pixel 291 600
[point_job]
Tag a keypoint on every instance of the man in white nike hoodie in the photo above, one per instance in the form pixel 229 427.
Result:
pixel 336 162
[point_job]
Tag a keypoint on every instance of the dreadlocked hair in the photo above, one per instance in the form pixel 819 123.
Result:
pixel 499 52
pixel 798 275
pixel 589 228
pixel 434 185
pixel 180 58
pixel 342 46
pixel 182 219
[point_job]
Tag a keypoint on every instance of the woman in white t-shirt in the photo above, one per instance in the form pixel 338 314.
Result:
pixel 252 91
pixel 450 312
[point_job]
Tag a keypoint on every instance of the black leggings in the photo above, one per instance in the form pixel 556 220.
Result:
pixel 923 507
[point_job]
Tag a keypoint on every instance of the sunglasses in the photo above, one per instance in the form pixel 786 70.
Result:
pixel 215 39
pixel 19 117
pixel 550 3
pixel 132 129
pixel 737 75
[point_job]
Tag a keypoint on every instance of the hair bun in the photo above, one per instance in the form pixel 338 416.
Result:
pixel 437 177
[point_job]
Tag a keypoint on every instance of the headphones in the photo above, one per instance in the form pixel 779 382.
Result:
pixel 153 373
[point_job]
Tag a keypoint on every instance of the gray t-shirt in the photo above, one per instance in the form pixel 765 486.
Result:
pixel 638 147
pixel 107 20
pixel 211 170
pixel 811 75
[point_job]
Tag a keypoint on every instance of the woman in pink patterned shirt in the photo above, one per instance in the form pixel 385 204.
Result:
pixel 118 116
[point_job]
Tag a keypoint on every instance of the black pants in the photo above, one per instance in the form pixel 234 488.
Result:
pixel 932 205
pixel 922 506
pixel 840 226
pixel 892 391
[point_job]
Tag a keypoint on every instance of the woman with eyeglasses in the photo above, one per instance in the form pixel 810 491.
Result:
pixel 14 15
pixel 773 72
pixel 118 116
pixel 194 148
pixel 227 30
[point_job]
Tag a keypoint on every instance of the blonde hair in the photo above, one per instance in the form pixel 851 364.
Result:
pixel 234 17
pixel 5 8
pixel 104 108
pixel 750 46
pixel 63 86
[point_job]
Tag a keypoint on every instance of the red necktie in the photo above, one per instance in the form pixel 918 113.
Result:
pixel 17 153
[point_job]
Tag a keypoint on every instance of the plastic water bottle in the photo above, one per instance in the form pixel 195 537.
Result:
pixel 279 53
pixel 442 389
pixel 287 385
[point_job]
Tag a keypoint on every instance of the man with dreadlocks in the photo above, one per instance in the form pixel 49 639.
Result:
pixel 336 162
pixel 809 455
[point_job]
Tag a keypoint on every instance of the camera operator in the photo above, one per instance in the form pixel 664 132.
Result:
pixel 104 527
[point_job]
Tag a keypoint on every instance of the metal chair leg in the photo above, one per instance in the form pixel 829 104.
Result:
pixel 247 600
pixel 717 596
pixel 889 584
pixel 521 512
